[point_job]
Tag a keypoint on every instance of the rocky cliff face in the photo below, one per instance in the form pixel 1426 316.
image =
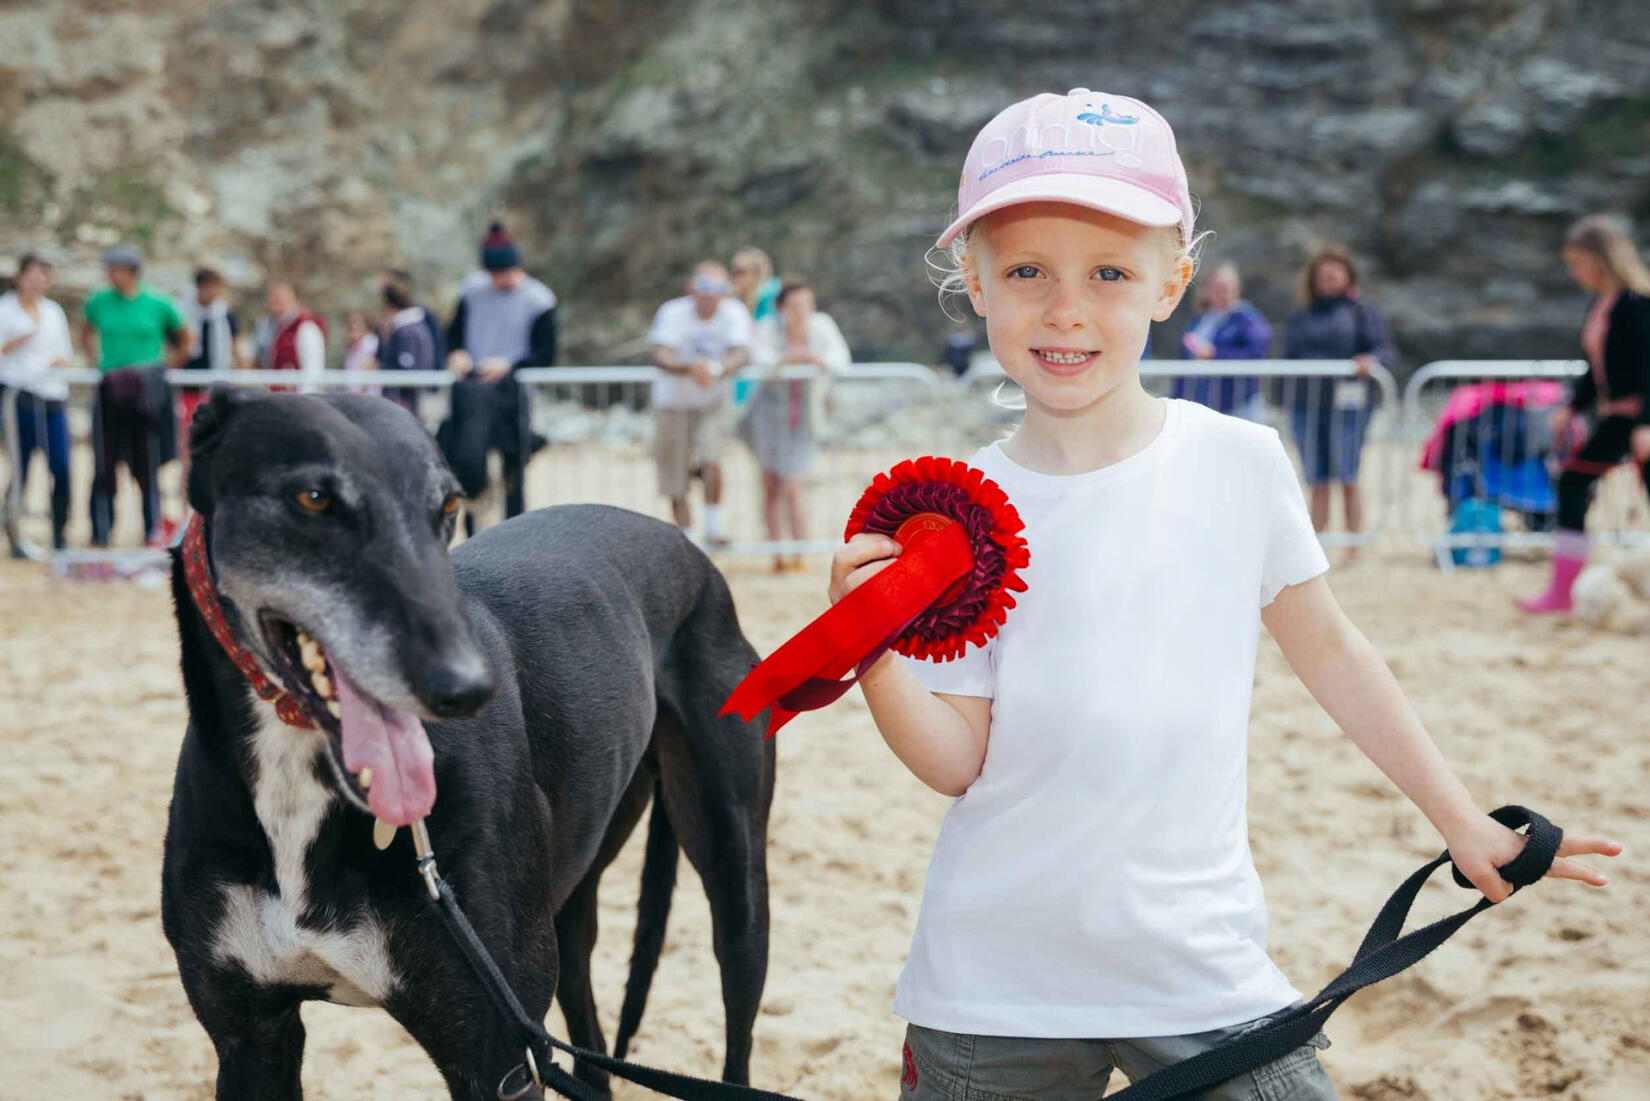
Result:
pixel 1447 141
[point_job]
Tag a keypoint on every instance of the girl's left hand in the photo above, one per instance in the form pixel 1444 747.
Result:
pixel 1641 443
pixel 1365 364
pixel 1483 845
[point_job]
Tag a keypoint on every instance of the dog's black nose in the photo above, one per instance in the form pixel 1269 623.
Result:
pixel 452 694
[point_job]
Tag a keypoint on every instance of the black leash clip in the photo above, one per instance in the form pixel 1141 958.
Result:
pixel 528 1072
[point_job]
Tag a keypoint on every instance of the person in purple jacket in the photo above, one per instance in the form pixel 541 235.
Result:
pixel 1228 328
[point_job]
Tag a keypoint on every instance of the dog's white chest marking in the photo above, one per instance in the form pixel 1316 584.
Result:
pixel 259 930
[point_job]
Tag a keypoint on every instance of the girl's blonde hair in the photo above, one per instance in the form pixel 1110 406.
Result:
pixel 759 260
pixel 1605 239
pixel 946 267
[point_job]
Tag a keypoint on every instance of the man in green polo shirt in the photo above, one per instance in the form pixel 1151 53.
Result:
pixel 129 327
pixel 127 323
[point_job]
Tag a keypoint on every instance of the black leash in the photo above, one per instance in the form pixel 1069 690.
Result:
pixel 1383 954
pixel 538 1069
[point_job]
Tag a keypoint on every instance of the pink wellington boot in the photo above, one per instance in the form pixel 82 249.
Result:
pixel 1569 558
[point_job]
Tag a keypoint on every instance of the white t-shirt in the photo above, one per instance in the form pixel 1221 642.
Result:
pixel 678 326
pixel 30 366
pixel 1096 880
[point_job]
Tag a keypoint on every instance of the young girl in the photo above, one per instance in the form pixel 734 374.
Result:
pixel 1092 903
pixel 1616 339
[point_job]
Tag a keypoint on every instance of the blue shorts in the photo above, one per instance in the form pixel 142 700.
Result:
pixel 1330 442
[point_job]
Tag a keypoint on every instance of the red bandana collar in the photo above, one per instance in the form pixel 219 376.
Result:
pixel 197 571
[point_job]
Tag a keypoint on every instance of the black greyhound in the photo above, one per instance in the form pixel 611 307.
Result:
pixel 539 685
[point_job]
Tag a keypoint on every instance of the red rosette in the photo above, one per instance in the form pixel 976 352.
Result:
pixel 951 587
pixel 915 499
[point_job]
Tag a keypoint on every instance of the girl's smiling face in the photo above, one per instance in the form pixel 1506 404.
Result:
pixel 1068 295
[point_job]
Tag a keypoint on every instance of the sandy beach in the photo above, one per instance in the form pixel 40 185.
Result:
pixel 1549 997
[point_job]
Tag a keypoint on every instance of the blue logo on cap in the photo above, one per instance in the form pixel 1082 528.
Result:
pixel 1106 116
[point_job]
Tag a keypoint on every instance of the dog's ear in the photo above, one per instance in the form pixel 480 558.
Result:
pixel 206 432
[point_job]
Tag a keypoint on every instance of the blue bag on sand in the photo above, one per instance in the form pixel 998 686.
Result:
pixel 1476 516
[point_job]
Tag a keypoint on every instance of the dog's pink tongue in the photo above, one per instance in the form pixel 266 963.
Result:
pixel 393 744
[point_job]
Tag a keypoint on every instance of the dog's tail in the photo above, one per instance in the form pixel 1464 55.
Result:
pixel 652 912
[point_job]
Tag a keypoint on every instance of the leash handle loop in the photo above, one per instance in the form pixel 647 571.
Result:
pixel 1537 856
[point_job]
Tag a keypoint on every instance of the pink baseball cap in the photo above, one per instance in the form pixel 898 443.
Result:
pixel 1094 149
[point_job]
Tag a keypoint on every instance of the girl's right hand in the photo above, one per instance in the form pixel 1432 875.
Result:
pixel 860 559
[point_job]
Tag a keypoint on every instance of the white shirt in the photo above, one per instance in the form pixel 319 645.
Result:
pixel 678 326
pixel 768 347
pixel 29 367
pixel 824 340
pixel 1096 880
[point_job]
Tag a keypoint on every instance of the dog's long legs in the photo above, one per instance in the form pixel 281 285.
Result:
pixel 725 839
pixel 263 1060
pixel 576 939
pixel 576 927
pixel 716 776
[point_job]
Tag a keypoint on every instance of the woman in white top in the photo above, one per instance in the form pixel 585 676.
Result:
pixel 786 415
pixel 34 339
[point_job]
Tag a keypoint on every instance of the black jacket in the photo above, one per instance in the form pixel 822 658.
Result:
pixel 1626 358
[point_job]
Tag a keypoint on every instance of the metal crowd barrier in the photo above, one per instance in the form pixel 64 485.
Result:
pixel 597 429
pixel 1481 426
pixel 599 444
pixel 599 436
pixel 1324 425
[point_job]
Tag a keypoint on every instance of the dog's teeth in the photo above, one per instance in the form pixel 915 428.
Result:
pixel 334 710
pixel 364 777
pixel 323 686
pixel 310 651
pixel 382 833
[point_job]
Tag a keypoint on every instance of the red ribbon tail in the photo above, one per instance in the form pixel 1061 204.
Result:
pixel 869 617
pixel 777 717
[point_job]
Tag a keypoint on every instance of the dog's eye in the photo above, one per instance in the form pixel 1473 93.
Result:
pixel 314 500
pixel 449 507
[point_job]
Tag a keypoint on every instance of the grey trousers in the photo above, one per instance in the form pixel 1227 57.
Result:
pixel 946 1066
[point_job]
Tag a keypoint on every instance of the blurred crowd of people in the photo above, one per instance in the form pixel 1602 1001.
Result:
pixel 733 319
pixel 130 332
pixel 729 318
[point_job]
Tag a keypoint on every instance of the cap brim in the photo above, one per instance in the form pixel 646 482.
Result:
pixel 1112 196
